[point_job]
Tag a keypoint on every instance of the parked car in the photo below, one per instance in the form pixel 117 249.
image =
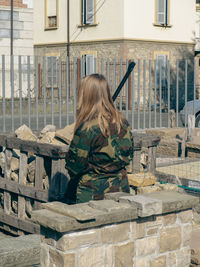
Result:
pixel 191 107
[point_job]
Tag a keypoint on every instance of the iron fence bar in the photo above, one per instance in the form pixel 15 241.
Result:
pixel 36 92
pixel 155 92
pixel 144 92
pixel 160 92
pixel 186 79
pixel 95 65
pixel 67 89
pixel 150 88
pixel 133 98
pixel 120 95
pixel 52 93
pixel 102 66
pixel 59 92
pixel 177 91
pixel 3 93
pixel 127 92
pixel 114 76
pixel 12 92
pixel 74 87
pixel 29 91
pixel 44 90
pixel 194 87
pixel 138 96
pixel 108 70
pixel 20 88
pixel 168 88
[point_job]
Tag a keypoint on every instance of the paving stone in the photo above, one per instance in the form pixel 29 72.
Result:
pixel 146 206
pixel 115 195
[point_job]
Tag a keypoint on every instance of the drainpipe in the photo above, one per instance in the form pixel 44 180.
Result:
pixel 68 41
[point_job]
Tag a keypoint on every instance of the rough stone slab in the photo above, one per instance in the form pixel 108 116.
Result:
pixel 146 206
pixel 81 212
pixel 141 179
pixel 107 205
pixel 62 223
pixel 174 201
pixel 115 196
pixel 20 251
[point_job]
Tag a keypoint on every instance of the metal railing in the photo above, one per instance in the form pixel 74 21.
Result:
pixel 42 90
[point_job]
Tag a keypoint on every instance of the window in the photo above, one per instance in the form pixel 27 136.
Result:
pixel 87 12
pixel 51 8
pixel 52 80
pixel 162 12
pixel 88 64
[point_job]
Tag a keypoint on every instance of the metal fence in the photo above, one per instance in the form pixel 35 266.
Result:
pixel 42 90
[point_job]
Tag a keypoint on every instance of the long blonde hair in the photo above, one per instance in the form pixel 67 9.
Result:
pixel 95 102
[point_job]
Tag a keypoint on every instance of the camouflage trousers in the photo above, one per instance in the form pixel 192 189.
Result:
pixel 94 188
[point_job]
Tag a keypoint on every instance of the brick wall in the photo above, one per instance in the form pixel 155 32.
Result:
pixel 16 3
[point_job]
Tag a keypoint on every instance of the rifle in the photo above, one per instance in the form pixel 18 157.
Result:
pixel 128 72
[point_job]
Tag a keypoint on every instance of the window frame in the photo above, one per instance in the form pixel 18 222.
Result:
pixel 49 70
pixel 85 55
pixel 83 17
pixel 166 22
pixel 46 23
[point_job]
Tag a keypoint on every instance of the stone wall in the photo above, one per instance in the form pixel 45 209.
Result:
pixel 151 230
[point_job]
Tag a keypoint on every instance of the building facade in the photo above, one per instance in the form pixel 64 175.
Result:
pixel 22 45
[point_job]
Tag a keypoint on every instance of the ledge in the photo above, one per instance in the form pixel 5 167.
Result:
pixel 115 208
pixel 162 25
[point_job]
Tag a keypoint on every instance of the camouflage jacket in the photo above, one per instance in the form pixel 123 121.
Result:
pixel 93 154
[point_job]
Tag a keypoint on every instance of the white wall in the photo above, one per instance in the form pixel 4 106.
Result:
pixel 140 16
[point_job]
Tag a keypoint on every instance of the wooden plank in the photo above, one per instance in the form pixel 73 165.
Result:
pixel 7 196
pixel 23 190
pixel 54 151
pixel 59 180
pixel 22 178
pixel 20 224
pixel 39 170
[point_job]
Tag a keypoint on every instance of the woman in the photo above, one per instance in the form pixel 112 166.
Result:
pixel 102 145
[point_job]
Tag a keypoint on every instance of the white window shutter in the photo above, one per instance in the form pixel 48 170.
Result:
pixel 89 12
pixel 89 64
pixel 161 11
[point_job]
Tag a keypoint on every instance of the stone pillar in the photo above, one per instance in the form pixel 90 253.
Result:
pixel 122 230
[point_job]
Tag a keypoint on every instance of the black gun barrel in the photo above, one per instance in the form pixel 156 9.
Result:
pixel 129 70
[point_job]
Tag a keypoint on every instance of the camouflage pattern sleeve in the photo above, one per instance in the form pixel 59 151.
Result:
pixel 77 158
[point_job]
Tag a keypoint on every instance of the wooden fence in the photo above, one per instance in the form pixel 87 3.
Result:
pixel 51 159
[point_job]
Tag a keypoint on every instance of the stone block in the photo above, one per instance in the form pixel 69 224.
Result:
pixel 115 196
pixel 187 232
pixel 183 257
pixel 171 259
pixel 148 189
pixel 195 259
pixel 169 219
pixel 115 233
pixel 152 231
pixel 78 239
pixel 92 256
pixel 174 201
pixel 109 258
pixel 170 239
pixel 185 216
pixel 146 206
pixel 142 262
pixel 158 262
pixel 154 221
pixel 146 246
pixel 60 259
pixel 138 229
pixel 141 179
pixel 123 254
pixel 44 255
